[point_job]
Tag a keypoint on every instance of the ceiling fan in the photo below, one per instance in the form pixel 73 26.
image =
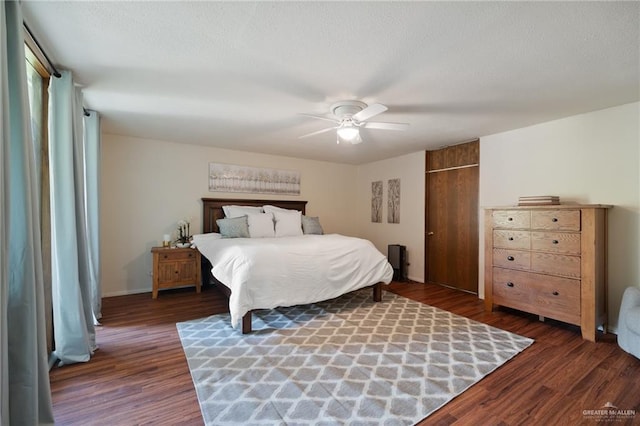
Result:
pixel 350 116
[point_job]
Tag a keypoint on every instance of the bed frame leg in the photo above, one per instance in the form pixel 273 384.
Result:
pixel 246 319
pixel 246 323
pixel 377 292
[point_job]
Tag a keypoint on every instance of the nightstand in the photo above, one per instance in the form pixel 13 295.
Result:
pixel 175 267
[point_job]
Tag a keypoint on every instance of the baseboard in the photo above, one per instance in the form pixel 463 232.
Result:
pixel 125 292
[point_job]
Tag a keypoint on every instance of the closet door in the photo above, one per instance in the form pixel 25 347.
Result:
pixel 451 216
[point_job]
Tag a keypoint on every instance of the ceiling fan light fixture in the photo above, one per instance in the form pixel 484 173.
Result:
pixel 348 132
pixel 349 117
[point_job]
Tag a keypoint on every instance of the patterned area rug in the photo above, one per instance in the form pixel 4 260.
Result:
pixel 341 362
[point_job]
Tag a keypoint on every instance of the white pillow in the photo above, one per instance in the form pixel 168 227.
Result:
pixel 199 239
pixel 261 225
pixel 273 209
pixel 288 223
pixel 239 211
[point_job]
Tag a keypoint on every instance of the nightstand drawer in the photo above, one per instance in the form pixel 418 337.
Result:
pixel 171 255
pixel 170 273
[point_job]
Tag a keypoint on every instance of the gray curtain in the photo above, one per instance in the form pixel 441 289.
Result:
pixel 92 188
pixel 25 396
pixel 73 324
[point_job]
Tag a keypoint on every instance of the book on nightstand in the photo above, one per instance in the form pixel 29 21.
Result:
pixel 539 200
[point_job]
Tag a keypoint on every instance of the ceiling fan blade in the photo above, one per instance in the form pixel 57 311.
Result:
pixel 385 126
pixel 370 111
pixel 317 133
pixel 320 117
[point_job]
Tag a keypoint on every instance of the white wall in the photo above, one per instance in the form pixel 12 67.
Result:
pixel 591 158
pixel 148 185
pixel 410 170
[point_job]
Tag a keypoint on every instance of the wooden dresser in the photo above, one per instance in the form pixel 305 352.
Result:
pixel 175 267
pixel 550 261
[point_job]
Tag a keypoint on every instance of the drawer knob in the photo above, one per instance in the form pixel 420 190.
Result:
pixel 190 254
pixel 555 241
pixel 510 219
pixel 555 293
pixel 555 219
pixel 510 258
pixel 509 284
pixel 165 256
pixel 510 238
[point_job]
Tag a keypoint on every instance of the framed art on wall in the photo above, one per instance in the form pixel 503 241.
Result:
pixel 376 202
pixel 393 203
pixel 233 178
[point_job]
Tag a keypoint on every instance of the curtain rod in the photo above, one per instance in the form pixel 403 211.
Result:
pixel 53 67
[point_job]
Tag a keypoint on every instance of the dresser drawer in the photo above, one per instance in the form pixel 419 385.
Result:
pixel 512 239
pixel 556 264
pixel 556 242
pixel 552 297
pixel 512 259
pixel 557 220
pixel 512 219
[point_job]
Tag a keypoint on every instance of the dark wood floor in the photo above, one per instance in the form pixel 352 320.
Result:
pixel 139 376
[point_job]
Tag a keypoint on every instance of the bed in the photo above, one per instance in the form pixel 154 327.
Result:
pixel 253 274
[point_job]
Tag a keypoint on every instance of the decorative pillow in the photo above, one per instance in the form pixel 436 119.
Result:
pixel 288 223
pixel 236 227
pixel 238 211
pixel 261 225
pixel 311 225
pixel 203 238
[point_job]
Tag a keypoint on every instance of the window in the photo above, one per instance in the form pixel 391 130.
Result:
pixel 38 85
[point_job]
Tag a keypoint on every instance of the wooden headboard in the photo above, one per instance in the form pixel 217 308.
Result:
pixel 212 209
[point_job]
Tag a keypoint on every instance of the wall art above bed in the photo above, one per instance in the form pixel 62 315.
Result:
pixel 232 178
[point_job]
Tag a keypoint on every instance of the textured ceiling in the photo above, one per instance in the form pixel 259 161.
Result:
pixel 236 75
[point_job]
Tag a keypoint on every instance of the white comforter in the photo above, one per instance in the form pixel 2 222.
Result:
pixel 265 273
